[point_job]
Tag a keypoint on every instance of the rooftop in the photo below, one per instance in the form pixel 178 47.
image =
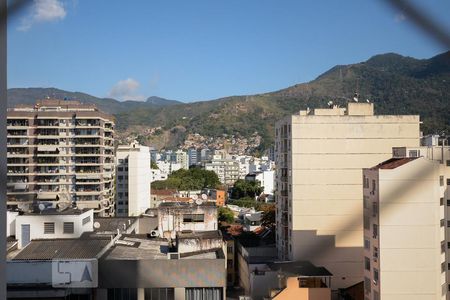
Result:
pixel 393 163
pixel 166 192
pixel 140 246
pixel 299 268
pixel 112 224
pixel 212 234
pixel 55 211
pixel 49 249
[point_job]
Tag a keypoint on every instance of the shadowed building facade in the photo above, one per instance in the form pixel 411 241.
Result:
pixel 319 156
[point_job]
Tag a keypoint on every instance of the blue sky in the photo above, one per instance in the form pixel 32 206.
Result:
pixel 200 50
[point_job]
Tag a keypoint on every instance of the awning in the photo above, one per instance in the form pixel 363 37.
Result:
pixel 52 148
pixel 47 195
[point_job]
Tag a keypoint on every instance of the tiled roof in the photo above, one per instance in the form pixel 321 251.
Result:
pixel 393 163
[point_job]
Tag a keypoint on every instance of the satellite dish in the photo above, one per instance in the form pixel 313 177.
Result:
pixel 367 100
pixel 96 225
pixel 194 197
pixel 204 197
pixel 330 103
pixel 41 206
pixel 199 201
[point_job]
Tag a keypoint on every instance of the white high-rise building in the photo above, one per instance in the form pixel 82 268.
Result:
pixel 133 179
pixel 320 155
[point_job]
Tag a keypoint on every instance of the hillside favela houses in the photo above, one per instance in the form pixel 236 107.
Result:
pixel 353 191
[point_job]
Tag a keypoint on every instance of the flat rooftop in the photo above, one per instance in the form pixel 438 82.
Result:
pixel 212 234
pixel 299 268
pixel 110 225
pixel 54 211
pixel 63 249
pixel 140 246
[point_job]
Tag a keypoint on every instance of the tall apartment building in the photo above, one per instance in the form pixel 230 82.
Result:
pixel 133 179
pixel 61 153
pixel 319 157
pixel 404 230
pixel 226 169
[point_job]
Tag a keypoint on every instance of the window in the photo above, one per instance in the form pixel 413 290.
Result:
pixel 448 181
pixel 442 222
pixel 120 169
pixel 366 222
pixel 120 161
pixel 443 267
pixel 374 209
pixel 448 162
pixel 443 247
pixel 374 186
pixel 375 276
pixel 86 220
pixel 366 244
pixel 68 227
pixel 414 153
pixel 367 263
pixel 49 227
pixel 193 218
pixel 441 201
pixel 441 180
pixel 365 182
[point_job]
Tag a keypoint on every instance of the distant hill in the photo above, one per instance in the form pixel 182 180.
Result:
pixel 396 84
pixel 30 95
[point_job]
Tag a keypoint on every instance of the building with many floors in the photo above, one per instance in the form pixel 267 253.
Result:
pixel 226 169
pixel 133 180
pixel 320 154
pixel 60 152
pixel 405 230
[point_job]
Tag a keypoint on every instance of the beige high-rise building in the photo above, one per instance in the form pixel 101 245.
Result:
pixel 61 153
pixel 133 179
pixel 320 155
pixel 404 230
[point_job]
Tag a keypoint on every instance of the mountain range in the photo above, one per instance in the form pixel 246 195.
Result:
pixel 395 84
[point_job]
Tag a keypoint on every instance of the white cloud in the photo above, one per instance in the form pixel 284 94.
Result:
pixel 400 17
pixel 43 11
pixel 126 89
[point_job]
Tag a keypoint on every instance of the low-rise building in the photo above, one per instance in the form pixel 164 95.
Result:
pixel 179 216
pixel 53 224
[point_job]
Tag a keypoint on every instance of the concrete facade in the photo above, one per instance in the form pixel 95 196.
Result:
pixel 319 156
pixel 61 152
pixel 404 230
pixel 133 180
pixel 65 225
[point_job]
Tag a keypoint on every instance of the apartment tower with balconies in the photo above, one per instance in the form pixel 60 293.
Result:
pixel 61 154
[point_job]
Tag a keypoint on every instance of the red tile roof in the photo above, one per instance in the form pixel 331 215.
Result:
pixel 393 163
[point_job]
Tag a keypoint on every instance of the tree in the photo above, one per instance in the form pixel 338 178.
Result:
pixel 268 218
pixel 245 202
pixel 243 188
pixel 153 165
pixel 225 215
pixel 192 179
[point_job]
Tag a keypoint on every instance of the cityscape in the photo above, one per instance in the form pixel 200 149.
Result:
pixel 337 188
